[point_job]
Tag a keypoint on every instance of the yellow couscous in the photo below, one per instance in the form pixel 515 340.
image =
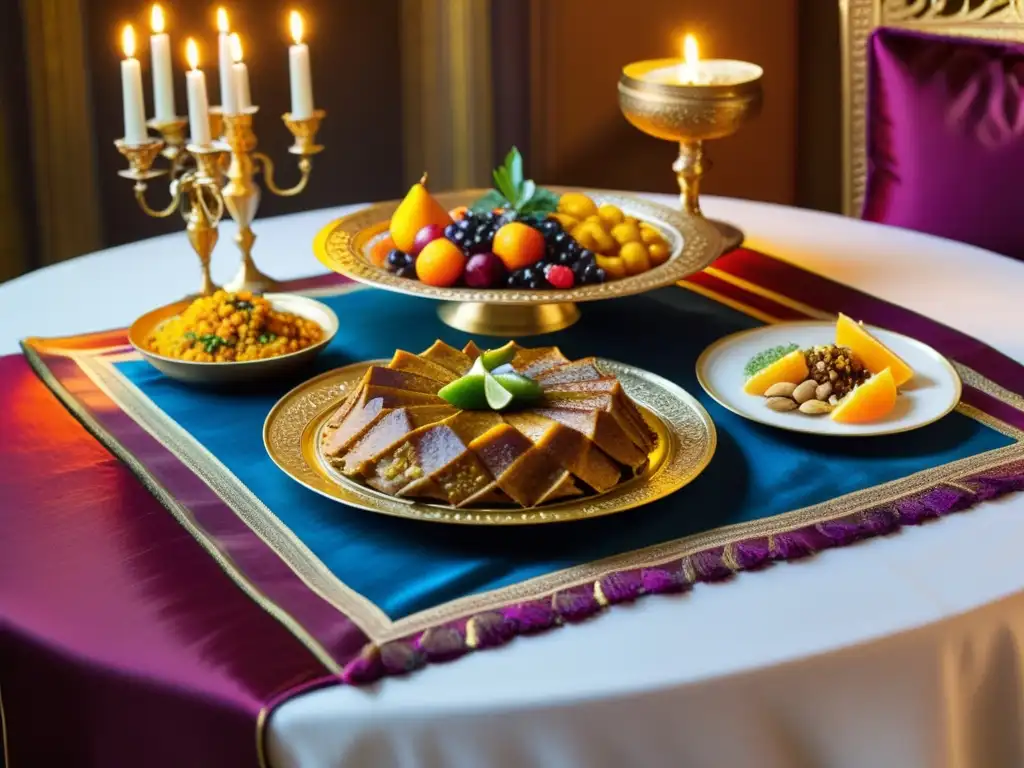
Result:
pixel 232 327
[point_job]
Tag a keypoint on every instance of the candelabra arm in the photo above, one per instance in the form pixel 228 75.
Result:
pixel 140 196
pixel 305 167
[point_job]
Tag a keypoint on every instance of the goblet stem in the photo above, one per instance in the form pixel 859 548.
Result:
pixel 690 167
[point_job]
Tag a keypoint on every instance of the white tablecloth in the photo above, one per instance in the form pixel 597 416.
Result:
pixel 899 651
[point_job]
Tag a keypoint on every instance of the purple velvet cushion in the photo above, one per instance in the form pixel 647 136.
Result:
pixel 945 139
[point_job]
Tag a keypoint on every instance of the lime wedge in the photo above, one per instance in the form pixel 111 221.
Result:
pixel 492 358
pixel 497 396
pixel 524 389
pixel 478 368
pixel 467 393
pixel 506 368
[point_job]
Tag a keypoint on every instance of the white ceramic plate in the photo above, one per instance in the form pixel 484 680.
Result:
pixel 931 394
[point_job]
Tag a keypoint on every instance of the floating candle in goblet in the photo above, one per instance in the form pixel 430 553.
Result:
pixel 691 100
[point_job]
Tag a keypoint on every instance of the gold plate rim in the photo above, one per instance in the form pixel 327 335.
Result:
pixel 809 430
pixel 295 421
pixel 695 245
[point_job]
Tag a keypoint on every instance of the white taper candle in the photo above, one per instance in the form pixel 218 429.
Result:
pixel 131 92
pixel 198 103
pixel 163 79
pixel 240 73
pixel 228 100
pixel 298 66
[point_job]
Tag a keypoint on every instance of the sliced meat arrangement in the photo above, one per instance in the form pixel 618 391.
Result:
pixel 394 433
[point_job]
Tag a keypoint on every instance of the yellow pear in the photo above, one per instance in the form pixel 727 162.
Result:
pixel 416 211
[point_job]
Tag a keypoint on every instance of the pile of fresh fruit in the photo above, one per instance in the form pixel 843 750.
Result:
pixel 518 235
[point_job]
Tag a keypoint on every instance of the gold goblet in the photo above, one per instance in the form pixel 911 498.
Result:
pixel 691 102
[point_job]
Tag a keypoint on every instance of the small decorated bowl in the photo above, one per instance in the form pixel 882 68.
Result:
pixel 233 372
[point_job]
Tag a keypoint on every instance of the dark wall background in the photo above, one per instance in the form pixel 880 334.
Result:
pixel 819 107
pixel 354 48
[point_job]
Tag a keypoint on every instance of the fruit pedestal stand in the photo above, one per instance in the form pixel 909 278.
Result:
pixel 344 246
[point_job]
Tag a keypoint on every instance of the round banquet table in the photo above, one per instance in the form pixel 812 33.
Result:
pixel 892 652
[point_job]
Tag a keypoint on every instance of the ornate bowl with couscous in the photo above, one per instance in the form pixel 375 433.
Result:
pixel 233 337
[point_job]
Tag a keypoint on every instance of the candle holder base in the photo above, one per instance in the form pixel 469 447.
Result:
pixel 732 237
pixel 249 278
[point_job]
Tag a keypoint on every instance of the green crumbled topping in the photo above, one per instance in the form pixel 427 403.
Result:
pixel 767 357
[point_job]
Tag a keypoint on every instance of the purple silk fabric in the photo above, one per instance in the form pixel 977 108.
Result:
pixel 945 138
pixel 122 643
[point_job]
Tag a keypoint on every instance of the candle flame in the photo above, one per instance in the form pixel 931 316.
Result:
pixel 156 19
pixel 222 20
pixel 691 54
pixel 236 48
pixel 192 53
pixel 128 41
pixel 295 22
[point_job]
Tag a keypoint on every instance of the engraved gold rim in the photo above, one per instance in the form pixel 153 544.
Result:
pixel 341 246
pixel 809 426
pixel 687 443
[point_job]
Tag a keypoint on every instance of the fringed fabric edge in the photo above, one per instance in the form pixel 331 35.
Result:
pixel 495 628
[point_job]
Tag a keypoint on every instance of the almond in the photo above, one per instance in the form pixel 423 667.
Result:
pixel 782 389
pixel 805 391
pixel 815 408
pixel 781 404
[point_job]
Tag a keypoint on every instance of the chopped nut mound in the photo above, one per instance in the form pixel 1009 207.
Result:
pixel 837 366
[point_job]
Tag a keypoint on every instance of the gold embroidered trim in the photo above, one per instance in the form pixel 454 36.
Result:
pixel 180 513
pixel 257 516
pixel 381 629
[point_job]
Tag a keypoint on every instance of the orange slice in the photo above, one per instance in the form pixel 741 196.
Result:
pixel 791 368
pixel 873 353
pixel 869 402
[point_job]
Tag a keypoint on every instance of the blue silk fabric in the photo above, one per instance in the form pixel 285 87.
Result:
pixel 406 566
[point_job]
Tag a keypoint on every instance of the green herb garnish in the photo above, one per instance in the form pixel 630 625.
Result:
pixel 266 338
pixel 189 336
pixel 515 193
pixel 212 342
pixel 241 304
pixel 767 357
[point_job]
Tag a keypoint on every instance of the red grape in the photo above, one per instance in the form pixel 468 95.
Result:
pixel 428 234
pixel 485 270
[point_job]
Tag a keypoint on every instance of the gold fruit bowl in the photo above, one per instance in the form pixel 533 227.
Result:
pixel 344 245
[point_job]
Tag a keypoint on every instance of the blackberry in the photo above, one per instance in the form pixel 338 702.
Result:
pixel 450 231
pixel 395 260
pixel 549 228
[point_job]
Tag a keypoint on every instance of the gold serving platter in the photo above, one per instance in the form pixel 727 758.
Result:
pixel 686 443
pixel 343 246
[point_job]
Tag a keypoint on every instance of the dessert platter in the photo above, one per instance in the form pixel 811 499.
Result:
pixel 840 378
pixel 514 260
pixel 508 436
pixel 229 337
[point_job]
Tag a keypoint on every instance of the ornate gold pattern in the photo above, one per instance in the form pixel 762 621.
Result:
pixel 687 440
pixel 307 566
pixel 342 247
pixel 992 19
